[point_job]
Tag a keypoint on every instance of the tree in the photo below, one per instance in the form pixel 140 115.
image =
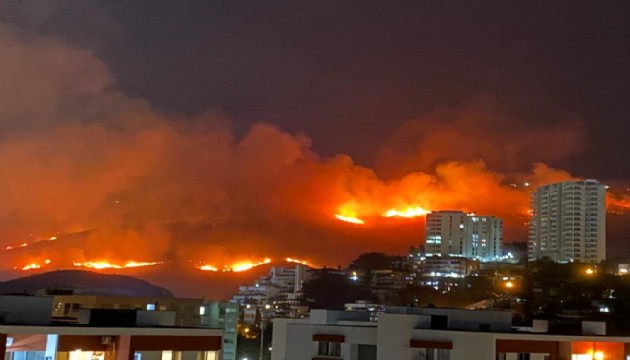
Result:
pixel 332 291
pixel 327 291
pixel 367 262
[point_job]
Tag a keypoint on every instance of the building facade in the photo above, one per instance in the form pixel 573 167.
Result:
pixel 67 308
pixel 222 315
pixel 436 334
pixel 568 222
pixel 29 332
pixel 455 233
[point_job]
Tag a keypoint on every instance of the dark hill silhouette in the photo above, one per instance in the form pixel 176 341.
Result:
pixel 84 283
pixel 182 281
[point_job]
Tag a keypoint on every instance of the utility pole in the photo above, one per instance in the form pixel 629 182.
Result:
pixel 262 338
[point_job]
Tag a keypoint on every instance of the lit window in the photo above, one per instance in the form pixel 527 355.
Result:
pixel 167 355
pixel 202 310
pixel 150 307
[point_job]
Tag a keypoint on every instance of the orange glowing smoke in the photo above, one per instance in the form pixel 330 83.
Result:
pixel 172 189
pixel 618 203
pixel 102 265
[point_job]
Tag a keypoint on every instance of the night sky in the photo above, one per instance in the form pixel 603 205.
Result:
pixel 399 86
pixel 348 72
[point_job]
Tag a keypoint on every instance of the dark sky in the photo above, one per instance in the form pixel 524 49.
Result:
pixel 348 72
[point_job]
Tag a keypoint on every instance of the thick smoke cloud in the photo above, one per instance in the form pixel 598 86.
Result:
pixel 480 128
pixel 79 157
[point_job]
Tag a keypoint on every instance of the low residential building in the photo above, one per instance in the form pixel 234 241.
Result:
pixel 436 334
pixel 28 342
pixel 99 334
pixel 277 294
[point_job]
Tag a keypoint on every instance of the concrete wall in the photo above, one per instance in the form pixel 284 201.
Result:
pixel 466 345
pixel 279 338
pixel 155 318
pixel 332 316
pixel 25 310
pixel 294 340
pixel 394 333
pixel 460 319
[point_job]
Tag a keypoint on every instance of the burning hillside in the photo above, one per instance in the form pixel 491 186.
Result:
pixel 92 178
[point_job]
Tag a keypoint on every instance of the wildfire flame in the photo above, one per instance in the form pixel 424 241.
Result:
pixel 33 266
pixel 25 244
pixel 236 267
pixel 409 212
pixel 350 219
pixel 348 214
pixel 101 265
pixel 296 261
pixel 208 268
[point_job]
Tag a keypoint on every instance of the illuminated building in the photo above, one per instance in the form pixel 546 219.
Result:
pixel 455 233
pixel 569 222
pixel 277 294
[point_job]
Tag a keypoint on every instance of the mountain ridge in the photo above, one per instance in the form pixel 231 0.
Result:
pixel 83 282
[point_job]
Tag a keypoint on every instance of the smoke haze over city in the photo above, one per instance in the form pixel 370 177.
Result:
pixel 95 168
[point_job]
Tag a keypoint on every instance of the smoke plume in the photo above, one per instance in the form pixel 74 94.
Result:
pixel 100 176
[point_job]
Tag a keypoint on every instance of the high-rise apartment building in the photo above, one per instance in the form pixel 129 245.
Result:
pixel 455 233
pixel 569 222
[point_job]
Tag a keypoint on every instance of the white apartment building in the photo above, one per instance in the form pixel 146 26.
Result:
pixel 455 233
pixel 436 334
pixel 569 222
